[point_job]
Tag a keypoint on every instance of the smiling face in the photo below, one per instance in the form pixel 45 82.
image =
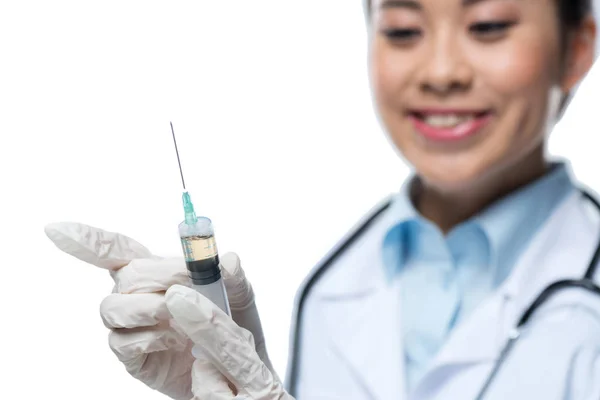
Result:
pixel 468 88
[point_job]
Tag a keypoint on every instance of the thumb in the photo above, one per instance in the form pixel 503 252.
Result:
pixel 197 316
pixel 239 290
pixel 108 250
pixel 228 346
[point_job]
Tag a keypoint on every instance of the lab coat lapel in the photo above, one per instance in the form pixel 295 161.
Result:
pixel 561 250
pixel 364 333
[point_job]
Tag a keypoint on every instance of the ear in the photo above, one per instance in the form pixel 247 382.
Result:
pixel 580 52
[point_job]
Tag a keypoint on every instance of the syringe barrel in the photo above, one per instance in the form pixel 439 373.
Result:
pixel 202 260
pixel 216 293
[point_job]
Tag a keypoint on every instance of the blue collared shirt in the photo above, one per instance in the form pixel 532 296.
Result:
pixel 444 278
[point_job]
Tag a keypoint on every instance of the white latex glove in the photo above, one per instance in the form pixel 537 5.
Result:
pixel 227 366
pixel 144 336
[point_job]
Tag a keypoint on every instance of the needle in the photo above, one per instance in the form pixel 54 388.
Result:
pixel 178 161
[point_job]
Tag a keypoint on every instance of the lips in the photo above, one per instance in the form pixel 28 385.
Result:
pixel 449 125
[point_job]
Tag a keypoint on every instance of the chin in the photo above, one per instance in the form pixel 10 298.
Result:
pixel 454 178
pixel 449 184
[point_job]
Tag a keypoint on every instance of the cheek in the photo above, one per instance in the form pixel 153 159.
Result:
pixel 522 66
pixel 527 68
pixel 523 98
pixel 390 74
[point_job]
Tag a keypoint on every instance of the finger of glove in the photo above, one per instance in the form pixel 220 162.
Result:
pixel 133 311
pixel 150 275
pixel 130 344
pixel 239 290
pixel 108 250
pixel 169 372
pixel 222 340
pixel 208 383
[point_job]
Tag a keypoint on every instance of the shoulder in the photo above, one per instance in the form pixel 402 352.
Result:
pixel 573 250
pixel 332 274
pixel 587 211
pixel 567 250
pixel 359 241
pixel 563 333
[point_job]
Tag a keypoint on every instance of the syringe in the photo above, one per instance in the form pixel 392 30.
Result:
pixel 200 250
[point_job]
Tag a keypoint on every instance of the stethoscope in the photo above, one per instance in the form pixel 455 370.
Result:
pixel 585 283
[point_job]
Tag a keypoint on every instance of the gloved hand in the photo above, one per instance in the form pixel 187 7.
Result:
pixel 144 335
pixel 227 366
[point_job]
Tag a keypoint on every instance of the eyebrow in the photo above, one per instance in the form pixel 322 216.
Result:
pixel 411 4
pixel 416 5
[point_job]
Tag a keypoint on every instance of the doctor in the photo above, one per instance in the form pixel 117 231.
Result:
pixel 420 300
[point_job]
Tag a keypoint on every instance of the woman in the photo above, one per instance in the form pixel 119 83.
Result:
pixel 419 301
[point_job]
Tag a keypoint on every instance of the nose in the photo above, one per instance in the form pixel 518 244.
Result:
pixel 445 70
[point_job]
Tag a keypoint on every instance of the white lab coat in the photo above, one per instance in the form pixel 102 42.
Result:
pixel 350 336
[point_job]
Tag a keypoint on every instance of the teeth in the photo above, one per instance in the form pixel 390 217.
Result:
pixel 446 121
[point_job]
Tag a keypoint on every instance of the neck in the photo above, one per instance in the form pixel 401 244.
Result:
pixel 447 209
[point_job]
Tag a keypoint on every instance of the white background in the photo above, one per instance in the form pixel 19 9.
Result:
pixel 279 143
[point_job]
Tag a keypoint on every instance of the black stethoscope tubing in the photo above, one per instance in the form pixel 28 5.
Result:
pixel 585 283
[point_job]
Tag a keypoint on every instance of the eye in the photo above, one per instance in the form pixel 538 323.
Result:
pixel 491 29
pixel 401 35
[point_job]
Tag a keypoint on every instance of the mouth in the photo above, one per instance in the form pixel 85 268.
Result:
pixel 449 125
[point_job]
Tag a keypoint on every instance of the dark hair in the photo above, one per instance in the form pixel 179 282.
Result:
pixel 573 12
